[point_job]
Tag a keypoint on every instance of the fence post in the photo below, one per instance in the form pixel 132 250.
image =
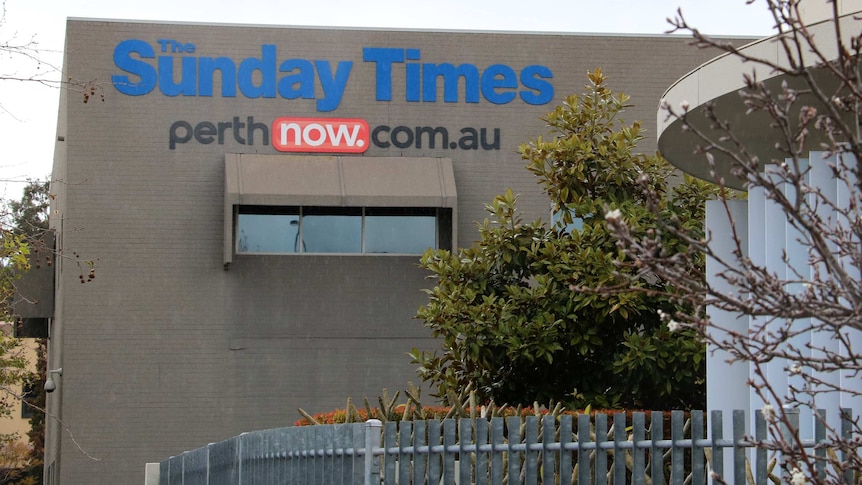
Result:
pixel 372 440
pixel 240 453
pixel 716 423
pixel 697 456
pixel 738 450
pixel 846 434
pixel 761 432
pixel 819 441
pixel 790 433
pixel 151 474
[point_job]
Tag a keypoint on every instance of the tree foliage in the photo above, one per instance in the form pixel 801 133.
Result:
pixel 508 311
pixel 29 218
pixel 22 226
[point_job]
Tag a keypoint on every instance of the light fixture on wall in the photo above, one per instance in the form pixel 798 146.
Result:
pixel 50 385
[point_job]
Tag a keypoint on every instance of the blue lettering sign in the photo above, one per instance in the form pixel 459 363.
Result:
pixel 383 59
pixel 533 77
pixel 450 75
pixel 499 77
pixel 147 76
pixel 179 71
pixel 265 66
pixel 498 83
pixel 255 77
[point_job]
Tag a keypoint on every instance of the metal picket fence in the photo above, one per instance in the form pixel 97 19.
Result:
pixel 545 450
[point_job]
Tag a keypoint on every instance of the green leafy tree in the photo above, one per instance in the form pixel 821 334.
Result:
pixel 22 226
pixel 29 218
pixel 515 312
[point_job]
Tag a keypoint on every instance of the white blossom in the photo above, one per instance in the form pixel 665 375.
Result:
pixel 684 105
pixel 768 413
pixel 797 477
pixel 613 215
pixel 663 316
pixel 674 326
pixel 796 369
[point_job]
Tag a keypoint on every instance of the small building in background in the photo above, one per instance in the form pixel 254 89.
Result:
pixel 15 452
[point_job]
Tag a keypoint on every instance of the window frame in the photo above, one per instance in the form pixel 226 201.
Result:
pixel 443 226
pixel 29 392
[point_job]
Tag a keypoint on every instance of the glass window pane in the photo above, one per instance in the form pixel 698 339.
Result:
pixel 400 234
pixel 334 230
pixel 576 225
pixel 267 233
pixel 332 233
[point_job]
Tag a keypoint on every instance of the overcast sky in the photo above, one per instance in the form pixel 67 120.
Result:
pixel 28 111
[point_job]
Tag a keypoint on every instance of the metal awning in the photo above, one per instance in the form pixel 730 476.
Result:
pixel 290 180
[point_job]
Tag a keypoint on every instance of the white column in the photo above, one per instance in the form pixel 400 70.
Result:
pixel 726 383
pixel 757 254
pixel 846 192
pixel 822 177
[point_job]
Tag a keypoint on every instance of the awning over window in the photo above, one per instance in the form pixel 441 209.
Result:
pixel 289 180
pixel 339 181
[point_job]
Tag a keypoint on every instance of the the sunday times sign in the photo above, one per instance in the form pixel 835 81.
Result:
pixel 174 68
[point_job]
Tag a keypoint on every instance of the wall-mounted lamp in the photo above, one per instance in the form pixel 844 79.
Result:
pixel 50 385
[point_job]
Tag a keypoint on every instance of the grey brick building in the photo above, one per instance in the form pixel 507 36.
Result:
pixel 254 200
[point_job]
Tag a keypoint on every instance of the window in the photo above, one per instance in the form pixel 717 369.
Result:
pixel 282 204
pixel 400 230
pixel 342 230
pixel 557 221
pixel 29 393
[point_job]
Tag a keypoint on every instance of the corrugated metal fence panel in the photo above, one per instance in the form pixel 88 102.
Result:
pixel 294 462
pixel 196 467
pixel 344 461
pixel 531 451
pixel 164 472
pixel 248 448
pixel 175 470
pixel 224 462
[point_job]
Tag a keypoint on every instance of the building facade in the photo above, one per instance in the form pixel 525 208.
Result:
pixel 239 212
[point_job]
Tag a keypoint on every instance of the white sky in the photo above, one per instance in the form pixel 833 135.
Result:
pixel 28 110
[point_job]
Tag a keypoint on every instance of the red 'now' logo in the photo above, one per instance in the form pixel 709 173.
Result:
pixel 320 135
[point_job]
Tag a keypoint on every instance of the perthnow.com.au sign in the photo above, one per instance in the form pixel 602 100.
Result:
pixel 329 135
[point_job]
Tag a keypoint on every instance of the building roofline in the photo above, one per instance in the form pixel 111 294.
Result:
pixel 399 29
pixel 718 82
